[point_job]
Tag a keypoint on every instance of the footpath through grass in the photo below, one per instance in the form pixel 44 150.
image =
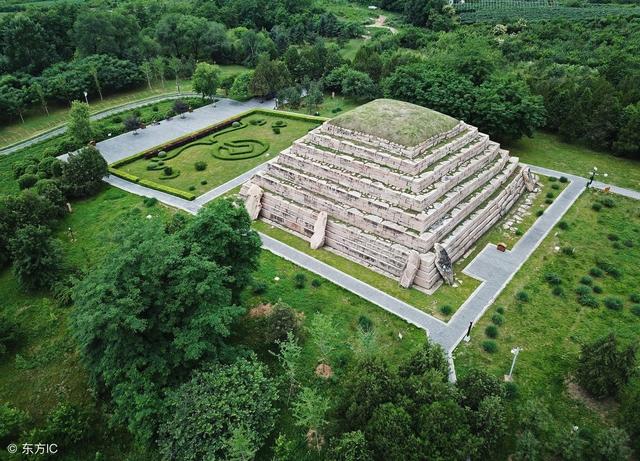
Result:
pixel 550 327
pixel 548 151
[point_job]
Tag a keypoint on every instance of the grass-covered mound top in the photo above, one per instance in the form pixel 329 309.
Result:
pixel 397 121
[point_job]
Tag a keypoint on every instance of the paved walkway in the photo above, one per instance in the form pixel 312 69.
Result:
pixel 128 144
pixel 100 115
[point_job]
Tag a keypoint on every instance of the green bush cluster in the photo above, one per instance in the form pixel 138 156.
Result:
pixel 610 269
pixel 200 166
pixel 446 309
pixel 586 280
pixel 497 319
pixel 491 331
pixel 613 303
pixel 596 272
pixel 299 280
pixel 563 225
pixel 522 296
pixel 596 207
pixel 490 346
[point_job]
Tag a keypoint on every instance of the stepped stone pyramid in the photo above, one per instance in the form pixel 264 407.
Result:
pixel 396 187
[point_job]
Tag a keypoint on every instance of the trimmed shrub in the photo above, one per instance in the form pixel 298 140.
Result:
pixel 635 309
pixel 550 194
pixel 555 186
pixel 200 166
pixel 552 279
pixel 316 283
pixel 597 289
pixel 259 288
pixel 588 300
pixel 365 323
pixel 491 331
pixel 168 171
pixel 563 179
pixel 236 124
pixel 299 280
pixel 608 202
pixel 500 310
pixel 596 207
pixel 489 346
pixel 276 130
pixel 557 291
pixel 522 296
pixel 162 154
pixel 149 201
pixel 586 280
pixel 583 290
pixel 446 309
pixel 552 179
pixel 563 225
pixel 634 297
pixel 519 232
pixel 497 319
pixel 203 182
pixel 613 303
pixel 596 272
pixel 548 201
pixel 539 213
pixel 192 188
pixel 27 180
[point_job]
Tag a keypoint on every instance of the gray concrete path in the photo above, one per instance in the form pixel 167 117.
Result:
pixel 97 116
pixel 128 144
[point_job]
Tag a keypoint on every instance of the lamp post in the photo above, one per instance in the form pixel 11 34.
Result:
pixel 592 175
pixel 515 351
pixel 86 99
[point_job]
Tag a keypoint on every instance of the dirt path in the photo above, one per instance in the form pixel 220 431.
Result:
pixel 380 23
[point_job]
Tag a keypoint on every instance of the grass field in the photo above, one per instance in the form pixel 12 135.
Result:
pixel 219 171
pixel 44 369
pixel 330 107
pixel 547 150
pixel 551 328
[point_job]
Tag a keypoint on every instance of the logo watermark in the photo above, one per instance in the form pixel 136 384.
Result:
pixel 34 448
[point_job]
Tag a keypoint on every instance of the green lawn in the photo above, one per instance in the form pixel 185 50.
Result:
pixel 350 48
pixel 36 121
pixel 219 171
pixel 330 107
pixel 551 328
pixel 547 150
pixel 44 368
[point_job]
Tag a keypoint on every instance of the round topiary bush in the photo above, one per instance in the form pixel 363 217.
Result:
pixel 552 179
pixel 192 188
pixel 588 300
pixel 563 225
pixel 236 124
pixel 557 291
pixel 613 303
pixel 162 154
pixel 519 232
pixel 168 171
pixel 316 283
pixel 522 296
pixel 550 194
pixel 276 130
pixel 500 310
pixel 596 207
pixel 597 289
pixel 563 179
pixel 203 182
pixel 586 280
pixel 552 279
pixel 446 309
pixel 497 319
pixel 200 166
pixel 490 346
pixel 548 201
pixel 635 309
pixel 491 331
pixel 596 272
pixel 279 124
pixel 555 186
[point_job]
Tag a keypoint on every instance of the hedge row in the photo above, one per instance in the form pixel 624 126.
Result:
pixel 151 184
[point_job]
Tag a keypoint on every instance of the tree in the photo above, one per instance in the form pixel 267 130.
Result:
pixel 175 65
pixel 147 69
pixel 324 335
pixel 179 107
pixel 430 357
pixel 39 91
pixel 350 446
pixel 93 70
pixel 206 79
pixel 314 97
pixel 83 172
pixel 368 60
pixel 160 68
pixel 223 233
pixel 291 96
pixel 603 370
pixel 628 142
pixel 132 123
pixel 145 319
pixel 309 411
pixel 79 125
pixel 478 385
pixel 358 85
pixel 288 357
pixel 240 88
pixel 629 409
pixel 37 257
pixel 227 83
pixel 389 432
pixel 224 412
pixel 269 77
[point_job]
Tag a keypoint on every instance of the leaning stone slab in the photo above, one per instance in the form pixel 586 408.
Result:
pixel 319 228
pixel 253 203
pixel 410 270
pixel 443 263
pixel 529 180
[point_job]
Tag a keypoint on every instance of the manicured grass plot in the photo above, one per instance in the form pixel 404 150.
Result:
pixel 218 157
